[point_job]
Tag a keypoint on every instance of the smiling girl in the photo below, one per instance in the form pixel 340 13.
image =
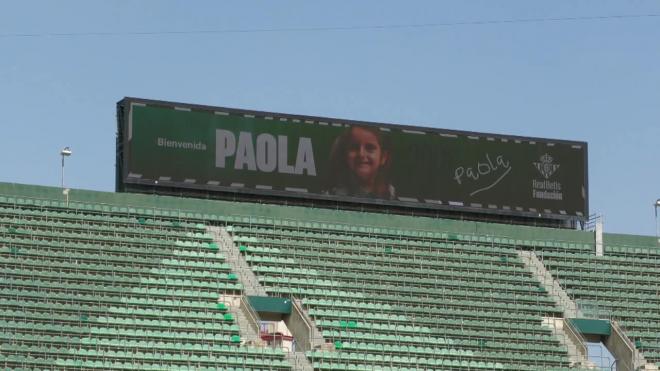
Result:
pixel 360 161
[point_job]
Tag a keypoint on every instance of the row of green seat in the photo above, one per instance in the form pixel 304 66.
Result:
pixel 420 270
pixel 300 227
pixel 446 278
pixel 109 257
pixel 66 214
pixel 119 230
pixel 438 289
pixel 91 209
pixel 187 249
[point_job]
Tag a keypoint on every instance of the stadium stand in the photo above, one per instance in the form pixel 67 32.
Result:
pixel 125 281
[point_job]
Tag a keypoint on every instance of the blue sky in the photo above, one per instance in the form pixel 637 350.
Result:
pixel 591 80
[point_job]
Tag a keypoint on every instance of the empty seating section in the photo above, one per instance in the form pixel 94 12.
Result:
pixel 623 284
pixel 101 287
pixel 401 299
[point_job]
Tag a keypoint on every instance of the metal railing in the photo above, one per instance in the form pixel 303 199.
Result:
pixel 577 337
pixel 250 314
pixel 590 224
pixel 594 311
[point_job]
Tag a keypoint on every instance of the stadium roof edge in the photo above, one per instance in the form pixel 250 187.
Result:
pixel 218 207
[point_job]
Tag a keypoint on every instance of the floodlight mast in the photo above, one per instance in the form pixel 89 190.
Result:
pixel 656 205
pixel 65 152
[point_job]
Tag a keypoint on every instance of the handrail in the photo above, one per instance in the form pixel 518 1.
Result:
pixel 594 311
pixel 590 223
pixel 581 341
pixel 253 316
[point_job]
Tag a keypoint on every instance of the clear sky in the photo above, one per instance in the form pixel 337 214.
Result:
pixel 595 80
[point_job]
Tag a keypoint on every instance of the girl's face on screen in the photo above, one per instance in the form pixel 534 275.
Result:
pixel 365 155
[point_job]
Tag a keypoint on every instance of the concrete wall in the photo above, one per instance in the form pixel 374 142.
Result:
pixel 299 329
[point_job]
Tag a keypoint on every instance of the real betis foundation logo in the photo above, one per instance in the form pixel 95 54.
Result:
pixel 545 166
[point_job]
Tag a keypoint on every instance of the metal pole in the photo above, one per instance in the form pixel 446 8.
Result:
pixel 66 151
pixel 657 227
pixel 62 171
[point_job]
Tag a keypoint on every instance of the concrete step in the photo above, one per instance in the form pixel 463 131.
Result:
pixel 236 260
pixel 299 361
pixel 245 328
pixel 575 344
pixel 549 283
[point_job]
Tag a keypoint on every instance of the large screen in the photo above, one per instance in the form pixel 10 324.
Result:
pixel 230 150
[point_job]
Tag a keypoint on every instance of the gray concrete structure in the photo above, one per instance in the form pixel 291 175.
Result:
pixel 628 358
pixel 303 327
pixel 550 284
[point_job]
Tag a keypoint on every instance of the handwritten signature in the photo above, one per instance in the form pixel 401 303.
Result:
pixel 463 174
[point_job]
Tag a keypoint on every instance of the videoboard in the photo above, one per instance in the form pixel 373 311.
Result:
pixel 218 149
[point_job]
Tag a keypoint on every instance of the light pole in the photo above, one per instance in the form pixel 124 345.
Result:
pixel 66 152
pixel 656 205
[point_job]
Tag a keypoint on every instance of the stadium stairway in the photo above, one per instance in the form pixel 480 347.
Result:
pixel 244 316
pixel 236 261
pixel 299 361
pixel 550 284
pixel 247 318
pixel 567 334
